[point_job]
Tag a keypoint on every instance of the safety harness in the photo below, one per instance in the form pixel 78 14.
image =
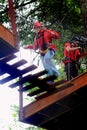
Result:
pixel 45 46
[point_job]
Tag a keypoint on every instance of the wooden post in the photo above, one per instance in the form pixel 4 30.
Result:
pixel 14 29
pixel 11 14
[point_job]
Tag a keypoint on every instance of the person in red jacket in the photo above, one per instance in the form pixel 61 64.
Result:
pixel 43 42
pixel 71 53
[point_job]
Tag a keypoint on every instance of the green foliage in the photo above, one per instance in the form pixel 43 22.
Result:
pixel 56 14
pixel 33 89
pixel 2 1
pixel 63 16
pixel 16 125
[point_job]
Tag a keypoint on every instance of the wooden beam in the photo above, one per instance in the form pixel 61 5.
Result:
pixel 11 14
pixel 6 35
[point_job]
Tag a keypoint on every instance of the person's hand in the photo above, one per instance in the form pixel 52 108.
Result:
pixel 28 47
pixel 52 33
pixel 80 48
pixel 25 47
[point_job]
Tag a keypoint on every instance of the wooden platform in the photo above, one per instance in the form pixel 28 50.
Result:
pixel 7 45
pixel 59 105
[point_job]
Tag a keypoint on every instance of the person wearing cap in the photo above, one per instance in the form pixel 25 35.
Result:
pixel 43 42
pixel 71 53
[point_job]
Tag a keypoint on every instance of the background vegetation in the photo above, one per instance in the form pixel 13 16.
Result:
pixel 63 16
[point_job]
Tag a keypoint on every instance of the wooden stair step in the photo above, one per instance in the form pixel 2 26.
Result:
pixel 8 69
pixel 15 65
pixel 46 87
pixel 36 92
pixel 7 58
pixel 41 83
pixel 28 78
pixel 54 90
pixel 54 84
pixel 20 73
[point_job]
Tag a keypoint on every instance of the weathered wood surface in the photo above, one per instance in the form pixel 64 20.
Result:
pixel 38 105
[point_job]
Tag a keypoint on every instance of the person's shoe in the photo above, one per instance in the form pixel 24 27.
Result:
pixel 50 82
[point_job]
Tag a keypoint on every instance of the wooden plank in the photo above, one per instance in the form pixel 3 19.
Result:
pixel 46 101
pixel 37 92
pixel 6 35
pixel 41 83
pixel 18 73
pixel 8 69
pixel 19 63
pixel 8 58
pixel 15 65
pixel 28 78
pixel 7 47
pixel 49 89
pixel 54 84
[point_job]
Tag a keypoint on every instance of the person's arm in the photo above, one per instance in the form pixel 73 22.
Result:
pixel 32 46
pixel 54 34
pixel 49 35
pixel 68 48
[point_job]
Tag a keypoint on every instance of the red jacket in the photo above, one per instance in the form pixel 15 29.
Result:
pixel 71 54
pixel 43 40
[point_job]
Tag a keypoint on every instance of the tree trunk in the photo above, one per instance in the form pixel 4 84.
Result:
pixel 84 15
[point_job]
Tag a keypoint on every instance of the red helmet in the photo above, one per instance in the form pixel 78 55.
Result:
pixel 37 24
